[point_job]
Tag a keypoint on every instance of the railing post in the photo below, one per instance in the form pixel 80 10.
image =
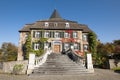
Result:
pixel 31 63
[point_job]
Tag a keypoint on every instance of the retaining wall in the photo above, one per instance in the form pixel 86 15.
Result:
pixel 8 66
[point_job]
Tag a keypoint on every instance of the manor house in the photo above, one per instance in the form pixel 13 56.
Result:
pixel 60 33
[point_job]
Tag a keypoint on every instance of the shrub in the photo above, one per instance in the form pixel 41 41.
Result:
pixel 17 68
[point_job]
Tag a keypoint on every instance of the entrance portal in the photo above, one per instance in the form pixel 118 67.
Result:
pixel 56 48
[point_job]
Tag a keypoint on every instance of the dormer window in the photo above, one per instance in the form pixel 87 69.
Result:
pixel 55 24
pixel 46 24
pixel 67 25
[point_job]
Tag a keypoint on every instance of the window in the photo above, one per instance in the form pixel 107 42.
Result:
pixel 37 34
pixel 66 46
pixel 67 25
pixel 46 35
pixel 76 46
pixel 46 24
pixel 26 36
pixel 46 44
pixel 84 37
pixel 66 35
pixel 55 24
pixel 57 35
pixel 75 35
pixel 36 46
pixel 85 47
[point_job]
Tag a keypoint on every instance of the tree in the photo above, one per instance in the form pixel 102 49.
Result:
pixel 116 54
pixel 0 54
pixel 9 52
pixel 116 42
pixel 108 48
pixel 117 46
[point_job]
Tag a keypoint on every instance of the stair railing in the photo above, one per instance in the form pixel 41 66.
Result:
pixel 42 59
pixel 80 59
pixel 75 57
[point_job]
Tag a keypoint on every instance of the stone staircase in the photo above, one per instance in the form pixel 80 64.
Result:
pixel 58 64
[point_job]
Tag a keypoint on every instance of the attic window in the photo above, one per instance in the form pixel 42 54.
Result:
pixel 46 24
pixel 67 24
pixel 55 24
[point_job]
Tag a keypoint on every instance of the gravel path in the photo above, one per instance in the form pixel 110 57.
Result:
pixel 100 74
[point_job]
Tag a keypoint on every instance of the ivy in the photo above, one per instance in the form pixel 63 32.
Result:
pixel 28 47
pixel 92 39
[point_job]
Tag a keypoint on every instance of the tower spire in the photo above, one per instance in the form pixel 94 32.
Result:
pixel 55 15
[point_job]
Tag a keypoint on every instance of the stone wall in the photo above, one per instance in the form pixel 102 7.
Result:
pixel 113 64
pixel 8 66
pixel 1 65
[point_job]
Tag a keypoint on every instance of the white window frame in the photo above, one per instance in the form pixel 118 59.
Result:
pixel 36 46
pixel 76 46
pixel 85 47
pixel 84 37
pixel 47 34
pixel 26 36
pixel 37 34
pixel 66 35
pixel 67 24
pixel 46 44
pixel 75 34
pixel 66 46
pixel 46 24
pixel 57 35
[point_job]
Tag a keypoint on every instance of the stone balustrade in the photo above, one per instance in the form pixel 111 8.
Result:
pixel 37 61
pixel 42 59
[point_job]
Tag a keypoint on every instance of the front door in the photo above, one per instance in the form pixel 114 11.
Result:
pixel 56 48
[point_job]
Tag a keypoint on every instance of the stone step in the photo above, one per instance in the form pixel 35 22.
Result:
pixel 60 70
pixel 57 64
pixel 61 73
pixel 64 68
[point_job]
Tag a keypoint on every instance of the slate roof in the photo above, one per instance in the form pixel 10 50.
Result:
pixel 55 18
pixel 55 15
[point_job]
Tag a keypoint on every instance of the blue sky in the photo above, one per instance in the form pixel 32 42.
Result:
pixel 102 16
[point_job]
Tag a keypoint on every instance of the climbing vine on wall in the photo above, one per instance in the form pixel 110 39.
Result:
pixel 27 47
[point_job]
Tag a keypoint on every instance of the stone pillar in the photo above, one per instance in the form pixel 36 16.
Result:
pixel 31 63
pixel 89 63
pixel 81 42
pixel 20 46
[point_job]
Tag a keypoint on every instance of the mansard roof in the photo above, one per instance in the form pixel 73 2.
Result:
pixel 55 18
